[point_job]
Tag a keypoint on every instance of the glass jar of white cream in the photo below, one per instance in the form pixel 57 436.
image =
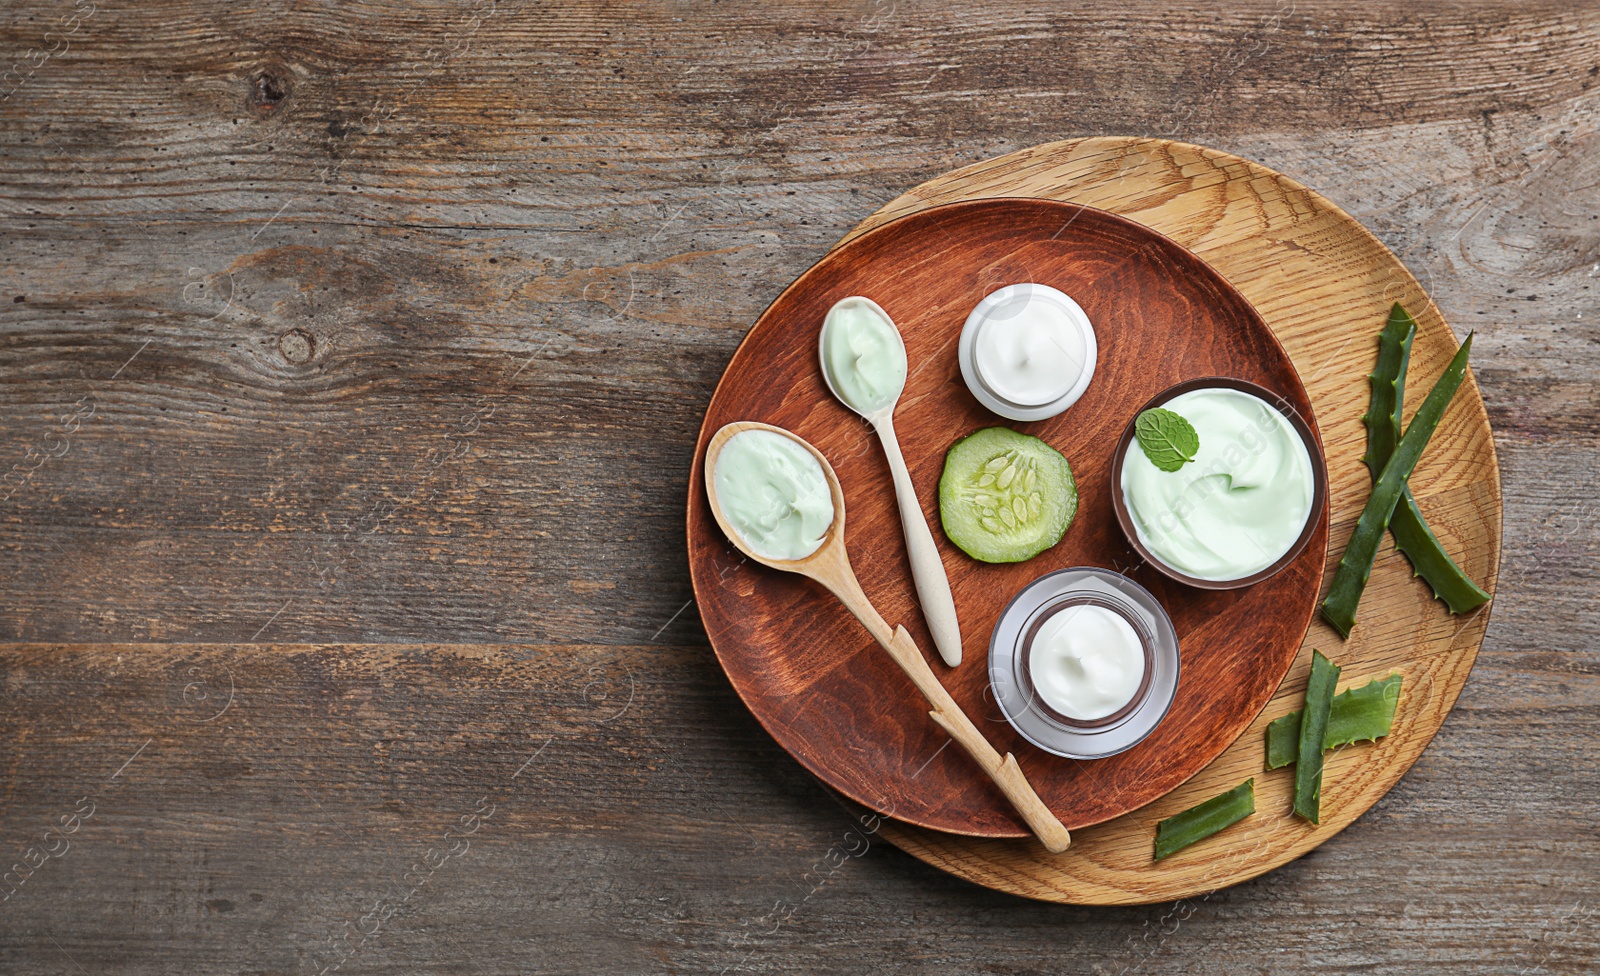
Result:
pixel 1084 663
pixel 1027 351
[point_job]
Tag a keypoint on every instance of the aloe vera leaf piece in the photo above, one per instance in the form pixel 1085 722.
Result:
pixel 1412 535
pixel 1448 581
pixel 1313 730
pixel 1204 819
pixel 1388 379
pixel 1363 714
pixel 1339 609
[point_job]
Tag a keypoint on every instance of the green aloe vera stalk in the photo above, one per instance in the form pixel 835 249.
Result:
pixel 1363 714
pixel 1339 609
pixel 1201 821
pixel 1388 388
pixel 1313 731
pixel 1412 535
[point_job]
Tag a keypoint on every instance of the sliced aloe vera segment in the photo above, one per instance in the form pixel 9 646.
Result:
pixel 1339 609
pixel 1412 535
pixel 1388 379
pixel 1363 714
pixel 1204 819
pixel 1313 730
pixel 1448 581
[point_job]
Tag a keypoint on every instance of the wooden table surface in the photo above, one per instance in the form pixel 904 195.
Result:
pixel 351 359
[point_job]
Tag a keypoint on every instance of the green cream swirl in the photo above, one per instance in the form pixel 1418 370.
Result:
pixel 774 494
pixel 1239 505
pixel 863 355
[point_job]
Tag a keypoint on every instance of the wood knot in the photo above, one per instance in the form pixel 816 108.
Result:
pixel 297 346
pixel 268 89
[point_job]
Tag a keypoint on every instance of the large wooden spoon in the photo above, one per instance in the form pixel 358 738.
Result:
pixel 830 566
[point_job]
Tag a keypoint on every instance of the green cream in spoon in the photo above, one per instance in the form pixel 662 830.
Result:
pixel 864 364
pixel 863 356
pixel 774 493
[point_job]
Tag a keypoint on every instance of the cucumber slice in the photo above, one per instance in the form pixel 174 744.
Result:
pixel 1004 496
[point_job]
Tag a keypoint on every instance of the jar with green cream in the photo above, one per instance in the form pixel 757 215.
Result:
pixel 1238 504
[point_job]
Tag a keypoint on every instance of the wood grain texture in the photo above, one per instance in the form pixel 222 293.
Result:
pixel 1324 285
pixel 819 684
pixel 569 214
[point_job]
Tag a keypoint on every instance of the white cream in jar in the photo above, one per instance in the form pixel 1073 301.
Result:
pixel 1027 351
pixel 1086 662
pixel 1015 677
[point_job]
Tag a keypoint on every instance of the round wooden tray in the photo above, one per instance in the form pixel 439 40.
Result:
pixel 809 671
pixel 1323 284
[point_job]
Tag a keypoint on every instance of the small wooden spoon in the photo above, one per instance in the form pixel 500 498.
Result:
pixel 927 569
pixel 830 566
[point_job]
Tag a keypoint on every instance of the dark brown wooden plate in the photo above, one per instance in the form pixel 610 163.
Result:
pixel 806 668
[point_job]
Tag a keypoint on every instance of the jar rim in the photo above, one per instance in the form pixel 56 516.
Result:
pixel 1024 658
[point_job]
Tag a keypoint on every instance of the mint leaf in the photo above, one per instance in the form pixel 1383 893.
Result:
pixel 1168 440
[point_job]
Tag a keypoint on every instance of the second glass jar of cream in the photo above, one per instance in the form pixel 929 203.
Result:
pixel 1084 663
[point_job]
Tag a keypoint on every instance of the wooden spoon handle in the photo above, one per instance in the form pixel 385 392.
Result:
pixel 1008 776
pixel 840 578
pixel 1002 769
pixel 927 569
